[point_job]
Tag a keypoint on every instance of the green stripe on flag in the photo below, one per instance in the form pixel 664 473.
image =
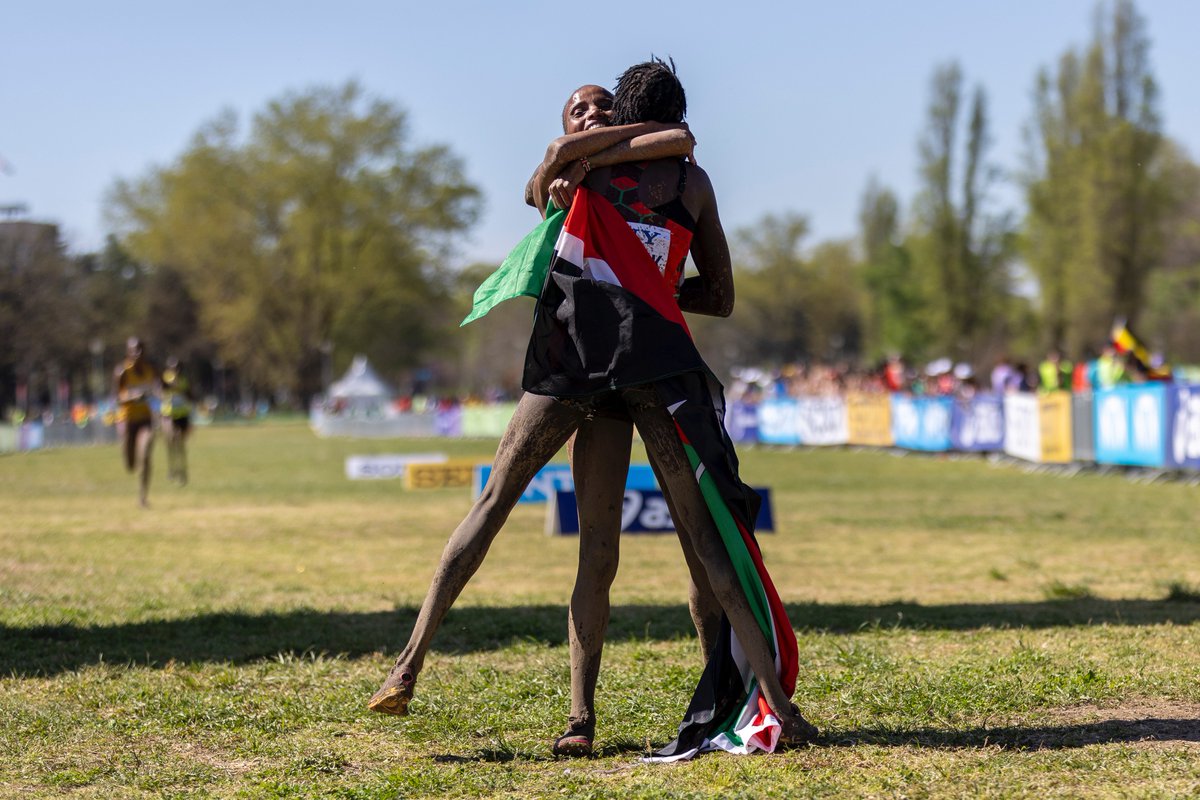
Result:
pixel 743 564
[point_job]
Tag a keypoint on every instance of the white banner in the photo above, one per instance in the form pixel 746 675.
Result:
pixel 386 467
pixel 1022 427
pixel 823 421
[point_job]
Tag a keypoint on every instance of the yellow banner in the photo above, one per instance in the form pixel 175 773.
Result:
pixel 447 475
pixel 870 419
pixel 1054 414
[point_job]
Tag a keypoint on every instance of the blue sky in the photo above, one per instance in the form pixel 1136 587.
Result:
pixel 795 105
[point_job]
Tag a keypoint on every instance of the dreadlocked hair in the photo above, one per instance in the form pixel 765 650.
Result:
pixel 649 92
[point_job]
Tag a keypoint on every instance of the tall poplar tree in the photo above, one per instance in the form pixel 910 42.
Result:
pixel 961 248
pixel 1097 182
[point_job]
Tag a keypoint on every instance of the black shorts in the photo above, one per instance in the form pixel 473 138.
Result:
pixel 134 427
pixel 181 424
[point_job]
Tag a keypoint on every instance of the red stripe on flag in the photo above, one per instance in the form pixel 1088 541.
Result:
pixel 606 235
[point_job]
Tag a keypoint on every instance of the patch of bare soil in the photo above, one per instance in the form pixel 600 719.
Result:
pixel 1145 722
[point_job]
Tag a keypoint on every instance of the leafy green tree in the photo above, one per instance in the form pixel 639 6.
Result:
pixel 961 250
pixel 894 319
pixel 323 229
pixel 790 306
pixel 1098 182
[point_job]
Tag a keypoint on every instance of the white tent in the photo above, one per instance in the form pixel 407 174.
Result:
pixel 360 383
pixel 360 405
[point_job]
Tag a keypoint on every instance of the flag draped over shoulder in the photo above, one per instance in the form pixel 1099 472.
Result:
pixel 524 269
pixel 607 319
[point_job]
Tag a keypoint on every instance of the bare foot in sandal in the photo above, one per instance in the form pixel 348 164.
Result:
pixel 395 694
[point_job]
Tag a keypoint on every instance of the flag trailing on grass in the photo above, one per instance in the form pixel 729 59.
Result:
pixel 1128 344
pixel 607 319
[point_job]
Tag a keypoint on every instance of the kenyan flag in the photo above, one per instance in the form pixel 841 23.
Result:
pixel 606 319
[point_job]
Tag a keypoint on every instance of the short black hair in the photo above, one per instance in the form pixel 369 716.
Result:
pixel 649 92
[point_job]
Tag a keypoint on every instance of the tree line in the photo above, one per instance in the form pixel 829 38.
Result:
pixel 265 256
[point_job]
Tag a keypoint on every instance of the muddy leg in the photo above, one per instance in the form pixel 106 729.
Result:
pixel 537 431
pixel 600 462
pixel 658 432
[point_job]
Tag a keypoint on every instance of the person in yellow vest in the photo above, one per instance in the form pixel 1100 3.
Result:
pixel 135 383
pixel 176 419
pixel 1054 373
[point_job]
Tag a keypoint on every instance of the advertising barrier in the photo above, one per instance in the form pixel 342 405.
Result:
pixel 822 421
pixel 869 419
pixel 977 424
pixel 778 421
pixel 1054 419
pixel 643 511
pixel 557 478
pixel 1022 427
pixel 446 475
pixel 1183 409
pixel 1083 434
pixel 922 423
pixel 741 422
pixel 1131 425
pixel 387 466
pixel 487 421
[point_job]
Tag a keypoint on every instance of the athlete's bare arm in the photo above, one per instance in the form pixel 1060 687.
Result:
pixel 643 141
pixel 711 291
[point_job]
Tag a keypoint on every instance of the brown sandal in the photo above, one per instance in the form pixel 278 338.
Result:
pixel 797 731
pixel 575 743
pixel 394 700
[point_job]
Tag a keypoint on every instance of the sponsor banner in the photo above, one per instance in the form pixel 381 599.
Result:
pixel 1022 427
pixel 1183 450
pixel 643 511
pixel 387 466
pixel 921 423
pixel 1054 419
pixel 557 478
pixel 741 422
pixel 1131 425
pixel 778 421
pixel 446 475
pixel 448 421
pixel 1083 432
pixel 822 421
pixel 487 421
pixel 977 424
pixel 869 419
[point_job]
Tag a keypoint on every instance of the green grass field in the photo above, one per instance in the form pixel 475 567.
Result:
pixel 965 629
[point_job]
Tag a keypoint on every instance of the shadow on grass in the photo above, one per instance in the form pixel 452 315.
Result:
pixel 242 637
pixel 1038 737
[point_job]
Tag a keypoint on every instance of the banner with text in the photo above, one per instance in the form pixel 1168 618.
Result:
pixel 643 511
pixel 869 419
pixel 1131 425
pixel 978 423
pixel 557 478
pixel 922 423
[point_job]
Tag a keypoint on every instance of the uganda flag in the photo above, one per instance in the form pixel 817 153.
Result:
pixel 607 319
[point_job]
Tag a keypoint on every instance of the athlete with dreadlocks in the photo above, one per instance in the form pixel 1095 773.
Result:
pixel 608 330
pixel 537 431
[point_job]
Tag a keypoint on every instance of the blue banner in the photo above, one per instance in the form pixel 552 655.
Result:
pixel 1131 425
pixel 977 423
pixel 741 421
pixel 644 511
pixel 557 477
pixel 922 423
pixel 1183 407
pixel 779 421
